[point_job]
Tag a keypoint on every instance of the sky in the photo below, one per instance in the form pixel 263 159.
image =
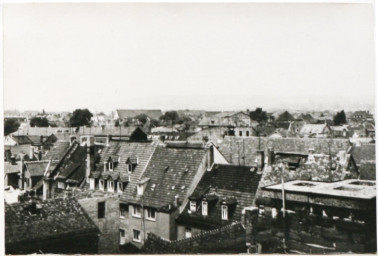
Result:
pixel 219 56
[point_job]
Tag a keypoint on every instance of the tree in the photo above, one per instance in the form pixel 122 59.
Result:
pixel 39 122
pixel 339 118
pixel 170 116
pixel 10 125
pixel 258 115
pixel 80 117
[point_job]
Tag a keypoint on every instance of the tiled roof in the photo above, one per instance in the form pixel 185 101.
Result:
pixel 368 170
pixel 171 172
pixel 73 165
pixel 131 113
pixel 313 128
pixel 233 185
pixel 55 218
pixel 36 140
pixel 140 151
pixel 244 150
pixel 36 168
pixel 57 151
pixel 308 118
pixel 12 168
pixel 364 151
pixel 22 139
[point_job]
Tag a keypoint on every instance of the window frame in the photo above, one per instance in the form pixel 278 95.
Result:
pixel 111 166
pixel 224 212
pixel 139 235
pixel 188 232
pixel 110 186
pixel 92 183
pixel 101 185
pixel 59 185
pixel 119 187
pixel 140 190
pixel 101 211
pixel 193 205
pixel 148 212
pixel 205 208
pixel 137 214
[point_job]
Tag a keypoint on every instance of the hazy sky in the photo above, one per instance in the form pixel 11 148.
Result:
pixel 197 56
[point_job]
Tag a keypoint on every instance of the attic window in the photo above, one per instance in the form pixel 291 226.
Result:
pixel 204 208
pixel 193 206
pixel 140 189
pixel 129 168
pixel 224 212
pixel 111 166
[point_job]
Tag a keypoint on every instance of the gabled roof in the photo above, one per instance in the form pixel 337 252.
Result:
pixel 313 128
pixel 131 113
pixel 285 117
pixel 12 168
pixel 307 118
pixel 36 168
pixel 231 185
pixel 22 139
pixel 57 151
pixel 54 218
pixel 171 172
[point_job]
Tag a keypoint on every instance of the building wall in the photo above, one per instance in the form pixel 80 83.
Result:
pixel 182 228
pixel 108 226
pixel 162 226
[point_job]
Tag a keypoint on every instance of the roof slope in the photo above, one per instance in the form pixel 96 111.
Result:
pixel 170 172
pixel 22 139
pixel 222 183
pixel 57 217
pixel 364 151
pixel 131 113
pixel 313 128
pixel 36 168
pixel 57 151
pixel 285 117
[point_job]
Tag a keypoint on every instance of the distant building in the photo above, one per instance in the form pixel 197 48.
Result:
pixel 125 114
pixel 315 131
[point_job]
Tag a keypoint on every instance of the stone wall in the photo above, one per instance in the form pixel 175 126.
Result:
pixel 228 239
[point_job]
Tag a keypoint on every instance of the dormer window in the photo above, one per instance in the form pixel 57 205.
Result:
pixel 111 166
pixel 140 189
pixel 102 185
pixel 193 206
pixel 119 187
pixel 224 212
pixel 204 208
pixel 110 186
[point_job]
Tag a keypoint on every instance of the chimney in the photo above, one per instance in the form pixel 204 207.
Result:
pixel 261 155
pixel 176 202
pixel 210 161
pixel 31 153
pixel 270 156
pixel 72 139
pixel 90 156
pixel 108 139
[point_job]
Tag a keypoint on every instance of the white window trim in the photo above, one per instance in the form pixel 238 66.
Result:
pixel 140 189
pixel 60 183
pixel 149 218
pixel 129 168
pixel 140 236
pixel 224 212
pixel 204 208
pixel 92 183
pixel 120 213
pixel 137 215
pixel 111 166
pixel 101 184
pixel 119 187
pixel 110 186
pixel 193 206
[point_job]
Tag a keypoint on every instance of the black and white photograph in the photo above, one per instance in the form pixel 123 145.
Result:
pixel 188 127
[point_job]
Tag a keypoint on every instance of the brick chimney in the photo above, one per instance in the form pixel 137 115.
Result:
pixel 90 156
pixel 270 156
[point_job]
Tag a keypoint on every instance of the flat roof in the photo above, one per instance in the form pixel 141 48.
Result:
pixel 356 189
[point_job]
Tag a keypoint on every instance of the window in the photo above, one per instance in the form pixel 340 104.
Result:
pixel 123 210
pixel 111 186
pixel 188 232
pixel 122 236
pixel 111 166
pixel 136 235
pixel 193 206
pixel 240 133
pixel 204 208
pixel 61 185
pixel 102 185
pixel 151 214
pixel 119 187
pixel 129 168
pixel 91 183
pixel 101 210
pixel 137 211
pixel 224 212
pixel 247 133
pixel 140 189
